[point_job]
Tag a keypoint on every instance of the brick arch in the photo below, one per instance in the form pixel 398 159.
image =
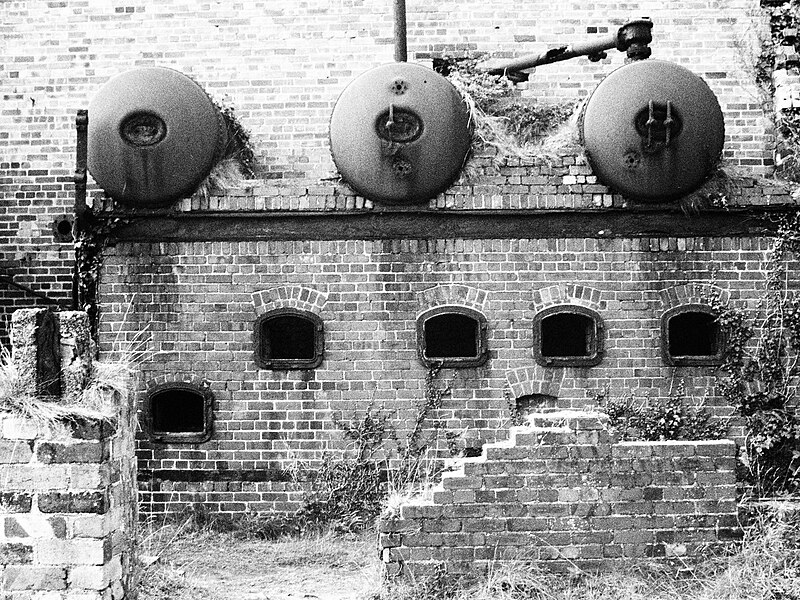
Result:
pixel 290 296
pixel 568 293
pixel 454 294
pixel 194 379
pixel 691 293
pixel 534 379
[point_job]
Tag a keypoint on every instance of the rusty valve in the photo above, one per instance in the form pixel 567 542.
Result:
pixel 659 125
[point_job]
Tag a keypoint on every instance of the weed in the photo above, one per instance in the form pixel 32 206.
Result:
pixel 761 369
pixel 348 493
pixel 501 119
pixel 662 420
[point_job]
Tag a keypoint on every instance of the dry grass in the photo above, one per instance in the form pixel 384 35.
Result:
pixel 217 566
pixel 204 564
pixel 108 384
pixel 226 175
pixel 494 132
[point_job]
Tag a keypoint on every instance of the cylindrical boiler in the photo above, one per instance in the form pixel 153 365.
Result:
pixel 154 136
pixel 653 130
pixel 399 133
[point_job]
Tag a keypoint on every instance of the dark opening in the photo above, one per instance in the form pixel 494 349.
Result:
pixel 451 336
pixel 567 334
pixel 535 403
pixel 288 337
pixel 178 410
pixel 62 228
pixel 693 334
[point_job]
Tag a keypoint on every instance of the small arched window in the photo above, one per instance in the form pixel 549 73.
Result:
pixel 287 338
pixel 691 336
pixel 567 336
pixel 452 336
pixel 179 412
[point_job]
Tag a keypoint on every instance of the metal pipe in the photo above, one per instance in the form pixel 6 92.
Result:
pixel 400 44
pixel 81 125
pixel 632 37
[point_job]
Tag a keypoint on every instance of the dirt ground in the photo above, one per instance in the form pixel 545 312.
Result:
pixel 213 566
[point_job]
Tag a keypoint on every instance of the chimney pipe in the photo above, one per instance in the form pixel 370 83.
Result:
pixel 400 48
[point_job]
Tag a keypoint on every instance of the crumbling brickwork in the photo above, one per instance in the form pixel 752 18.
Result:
pixel 67 501
pixel 563 492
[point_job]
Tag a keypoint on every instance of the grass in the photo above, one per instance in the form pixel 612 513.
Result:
pixel 189 563
pixel 195 563
pixel 108 384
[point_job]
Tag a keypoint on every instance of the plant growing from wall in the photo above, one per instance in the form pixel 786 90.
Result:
pixel 238 158
pixel 761 371
pixel 515 126
pixel 95 234
pixel 668 419
pixel 349 492
pixel 776 54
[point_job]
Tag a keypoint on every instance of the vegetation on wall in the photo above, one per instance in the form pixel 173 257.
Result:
pixel 348 493
pixel 95 234
pixel 762 369
pixel 778 55
pixel 669 419
pixel 504 120
pixel 237 161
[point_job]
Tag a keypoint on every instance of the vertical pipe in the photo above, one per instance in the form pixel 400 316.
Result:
pixel 81 125
pixel 400 47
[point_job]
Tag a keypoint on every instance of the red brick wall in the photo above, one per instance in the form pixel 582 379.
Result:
pixel 196 301
pixel 282 64
pixel 563 493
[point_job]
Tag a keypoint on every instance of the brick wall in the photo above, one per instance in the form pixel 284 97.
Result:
pixel 200 302
pixel 282 65
pixel 198 279
pixel 62 507
pixel 67 501
pixel 562 492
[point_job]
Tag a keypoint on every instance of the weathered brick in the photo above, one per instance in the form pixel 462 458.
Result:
pixel 29 577
pixel 73 502
pixel 71 452
pixel 15 502
pixel 15 554
pixel 83 551
pixel 15 451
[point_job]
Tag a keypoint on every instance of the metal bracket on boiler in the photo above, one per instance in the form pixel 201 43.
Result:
pixel 632 38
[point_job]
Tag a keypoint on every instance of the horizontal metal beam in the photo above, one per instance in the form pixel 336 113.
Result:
pixel 206 226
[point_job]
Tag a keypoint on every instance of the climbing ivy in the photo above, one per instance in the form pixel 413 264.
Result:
pixel 95 233
pixel 760 371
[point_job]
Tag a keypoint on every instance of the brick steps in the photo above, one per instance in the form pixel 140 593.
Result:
pixel 560 490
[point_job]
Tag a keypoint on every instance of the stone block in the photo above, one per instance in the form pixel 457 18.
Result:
pixel 75 346
pixel 15 451
pixel 77 551
pixel 34 341
pixel 29 577
pixel 73 502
